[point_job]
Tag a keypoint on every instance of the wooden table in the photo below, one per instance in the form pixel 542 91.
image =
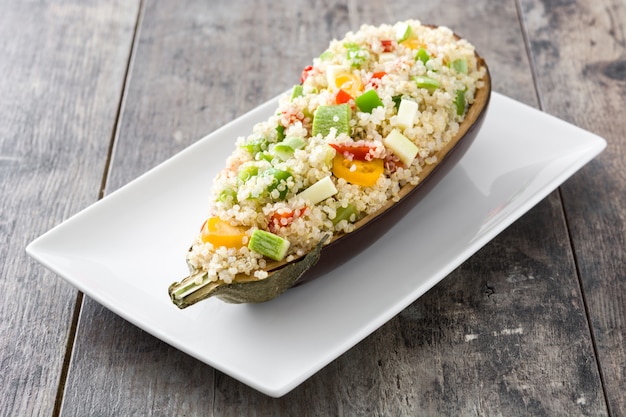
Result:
pixel 94 93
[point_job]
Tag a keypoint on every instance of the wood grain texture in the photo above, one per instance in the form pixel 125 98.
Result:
pixel 199 66
pixel 505 334
pixel 61 74
pixel 581 47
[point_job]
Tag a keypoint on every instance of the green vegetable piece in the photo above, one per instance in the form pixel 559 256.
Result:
pixel 295 142
pixel 396 101
pixel 264 156
pixel 460 65
pixel 348 213
pixel 368 101
pixel 278 182
pixel 226 195
pixel 284 152
pixel 247 171
pixel 280 130
pixel 297 91
pixel 326 55
pixel 197 287
pixel 356 54
pixel 287 147
pixel 332 116
pixel 422 55
pixel 428 83
pixel 268 244
pixel 459 102
pixel 255 146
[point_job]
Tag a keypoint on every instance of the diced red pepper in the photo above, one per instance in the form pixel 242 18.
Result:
pixel 305 73
pixel 278 220
pixel 375 80
pixel 387 45
pixel 284 218
pixel 342 97
pixel 357 152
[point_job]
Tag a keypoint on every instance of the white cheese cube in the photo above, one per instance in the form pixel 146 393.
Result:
pixel 406 113
pixel 319 191
pixel 401 146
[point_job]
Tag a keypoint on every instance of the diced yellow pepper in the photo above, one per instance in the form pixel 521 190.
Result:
pixel 365 173
pixel 349 83
pixel 413 43
pixel 220 233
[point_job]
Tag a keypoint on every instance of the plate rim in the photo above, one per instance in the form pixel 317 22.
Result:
pixel 36 248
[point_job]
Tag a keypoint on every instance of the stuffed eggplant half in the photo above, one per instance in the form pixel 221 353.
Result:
pixel 370 120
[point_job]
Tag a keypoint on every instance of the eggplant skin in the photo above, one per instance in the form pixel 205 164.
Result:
pixel 249 291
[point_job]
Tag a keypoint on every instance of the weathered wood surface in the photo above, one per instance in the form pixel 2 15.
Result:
pixel 579 49
pixel 62 69
pixel 533 324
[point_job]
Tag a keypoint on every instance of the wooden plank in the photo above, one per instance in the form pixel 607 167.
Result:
pixel 580 47
pixel 504 334
pixel 197 69
pixel 62 69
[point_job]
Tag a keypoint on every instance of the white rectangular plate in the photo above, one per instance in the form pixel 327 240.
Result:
pixel 126 249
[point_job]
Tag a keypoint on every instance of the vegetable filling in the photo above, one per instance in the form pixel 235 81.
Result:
pixel 367 116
